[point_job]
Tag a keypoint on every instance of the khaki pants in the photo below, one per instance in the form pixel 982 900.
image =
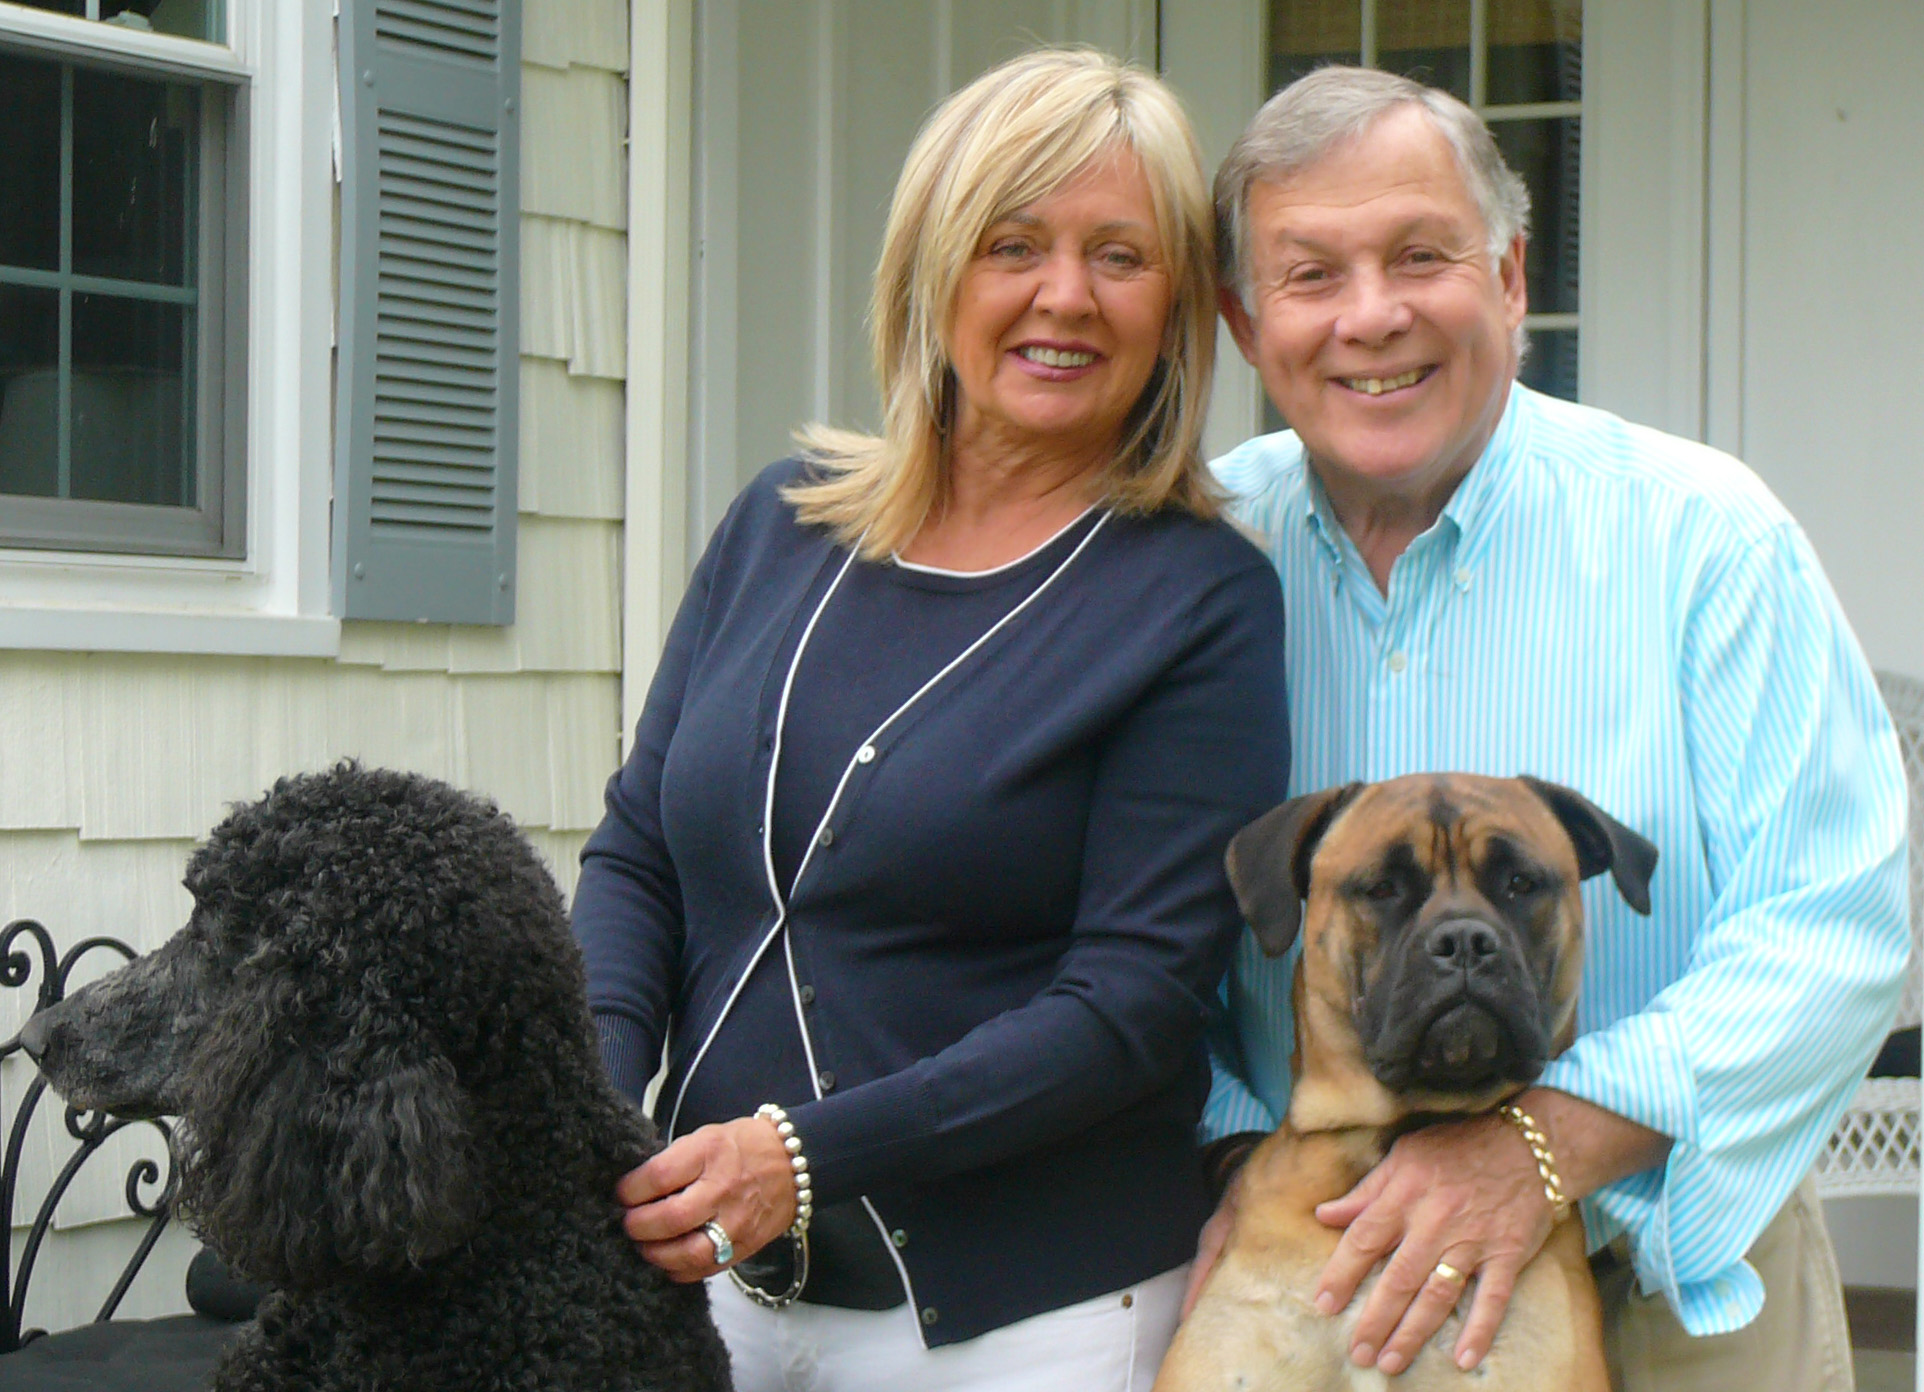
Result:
pixel 1799 1343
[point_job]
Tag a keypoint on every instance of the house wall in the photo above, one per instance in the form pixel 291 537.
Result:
pixel 111 765
pixel 1825 353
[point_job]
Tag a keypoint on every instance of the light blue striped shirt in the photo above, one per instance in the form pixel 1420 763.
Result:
pixel 1636 616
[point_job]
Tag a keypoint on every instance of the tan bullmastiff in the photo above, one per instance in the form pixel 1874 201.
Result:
pixel 1442 938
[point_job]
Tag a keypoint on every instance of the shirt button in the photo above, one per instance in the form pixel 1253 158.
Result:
pixel 929 1316
pixel 1462 578
pixel 865 755
pixel 807 993
pixel 827 837
pixel 1398 661
pixel 899 1238
pixel 827 1079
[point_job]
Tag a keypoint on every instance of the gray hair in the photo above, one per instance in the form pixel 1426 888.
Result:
pixel 1308 119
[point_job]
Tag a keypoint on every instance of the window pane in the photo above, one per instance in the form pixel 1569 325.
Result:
pixel 29 163
pixel 1306 34
pixel 133 418
pixel 193 19
pixel 1552 364
pixel 1428 40
pixel 29 391
pixel 1536 51
pixel 134 146
pixel 1545 153
pixel 65 7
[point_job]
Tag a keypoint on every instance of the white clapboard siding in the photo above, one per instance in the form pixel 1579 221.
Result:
pixel 401 720
pixel 164 745
pixel 562 851
pixel 570 605
pixel 584 747
pixel 571 442
pixel 36 785
pixel 574 295
pixel 128 890
pixel 396 647
pixel 78 1268
pixel 501 724
pixel 591 33
pixel 584 111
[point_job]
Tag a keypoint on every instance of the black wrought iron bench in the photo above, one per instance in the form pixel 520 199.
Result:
pixel 156 1355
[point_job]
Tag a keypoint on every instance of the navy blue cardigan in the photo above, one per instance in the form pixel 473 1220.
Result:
pixel 1004 949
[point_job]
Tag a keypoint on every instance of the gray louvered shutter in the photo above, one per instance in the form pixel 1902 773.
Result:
pixel 424 484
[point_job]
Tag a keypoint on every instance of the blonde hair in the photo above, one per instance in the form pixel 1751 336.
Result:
pixel 1011 137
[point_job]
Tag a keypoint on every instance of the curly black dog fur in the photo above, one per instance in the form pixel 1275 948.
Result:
pixel 374 1029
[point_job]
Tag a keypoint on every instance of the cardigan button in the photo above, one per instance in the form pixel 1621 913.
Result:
pixel 899 1238
pixel 827 1079
pixel 828 836
pixel 865 755
pixel 807 993
pixel 929 1316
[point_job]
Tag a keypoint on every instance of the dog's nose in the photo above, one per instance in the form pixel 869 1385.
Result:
pixel 1462 943
pixel 33 1036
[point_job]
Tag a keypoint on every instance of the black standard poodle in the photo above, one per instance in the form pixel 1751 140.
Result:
pixel 374 1030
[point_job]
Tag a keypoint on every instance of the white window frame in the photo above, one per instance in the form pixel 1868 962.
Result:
pixel 273 600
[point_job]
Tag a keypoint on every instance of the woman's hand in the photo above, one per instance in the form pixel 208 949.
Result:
pixel 1210 1244
pixel 736 1174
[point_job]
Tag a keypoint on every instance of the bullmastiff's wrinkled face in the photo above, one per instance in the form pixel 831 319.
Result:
pixel 1442 934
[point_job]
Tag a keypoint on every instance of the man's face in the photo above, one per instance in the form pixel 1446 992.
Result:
pixel 1377 322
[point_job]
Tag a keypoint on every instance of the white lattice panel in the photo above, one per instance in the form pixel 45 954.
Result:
pixel 1874 1149
pixel 1905 697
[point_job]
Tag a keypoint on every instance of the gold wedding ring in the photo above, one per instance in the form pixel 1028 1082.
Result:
pixel 1449 1273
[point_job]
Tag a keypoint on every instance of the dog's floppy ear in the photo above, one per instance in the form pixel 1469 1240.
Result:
pixel 1268 863
pixel 1602 842
pixel 316 1169
pixel 403 1190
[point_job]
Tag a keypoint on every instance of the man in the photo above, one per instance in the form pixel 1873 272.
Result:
pixel 1485 579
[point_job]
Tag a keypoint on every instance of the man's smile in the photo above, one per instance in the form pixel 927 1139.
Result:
pixel 1377 386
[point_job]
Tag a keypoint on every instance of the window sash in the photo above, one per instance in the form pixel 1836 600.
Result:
pixel 216 525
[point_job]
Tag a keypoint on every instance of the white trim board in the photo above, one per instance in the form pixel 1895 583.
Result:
pixel 654 526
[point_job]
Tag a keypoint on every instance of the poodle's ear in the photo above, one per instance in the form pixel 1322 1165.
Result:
pixel 403 1190
pixel 303 1175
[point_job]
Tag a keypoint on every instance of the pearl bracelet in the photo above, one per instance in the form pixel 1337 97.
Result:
pixel 1539 1144
pixel 792 1143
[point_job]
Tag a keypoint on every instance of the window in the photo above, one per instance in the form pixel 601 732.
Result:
pixel 167 258
pixel 116 373
pixel 1519 63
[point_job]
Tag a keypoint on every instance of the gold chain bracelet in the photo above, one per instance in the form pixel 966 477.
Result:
pixel 1539 1144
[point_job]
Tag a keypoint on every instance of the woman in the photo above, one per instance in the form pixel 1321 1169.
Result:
pixel 921 836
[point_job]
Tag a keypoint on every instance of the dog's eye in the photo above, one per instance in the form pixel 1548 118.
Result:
pixel 1521 884
pixel 1380 891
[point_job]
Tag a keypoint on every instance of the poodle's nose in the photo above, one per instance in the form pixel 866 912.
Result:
pixel 34 1036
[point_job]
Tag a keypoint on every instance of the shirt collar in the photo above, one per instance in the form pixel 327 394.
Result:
pixel 1471 510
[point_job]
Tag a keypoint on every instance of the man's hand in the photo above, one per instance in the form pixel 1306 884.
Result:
pixel 736 1174
pixel 1466 1193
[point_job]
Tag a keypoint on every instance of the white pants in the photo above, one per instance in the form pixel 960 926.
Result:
pixel 1112 1343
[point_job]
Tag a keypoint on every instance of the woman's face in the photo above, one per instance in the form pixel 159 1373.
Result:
pixel 1059 318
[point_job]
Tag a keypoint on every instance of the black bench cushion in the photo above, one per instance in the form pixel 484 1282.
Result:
pixel 160 1355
